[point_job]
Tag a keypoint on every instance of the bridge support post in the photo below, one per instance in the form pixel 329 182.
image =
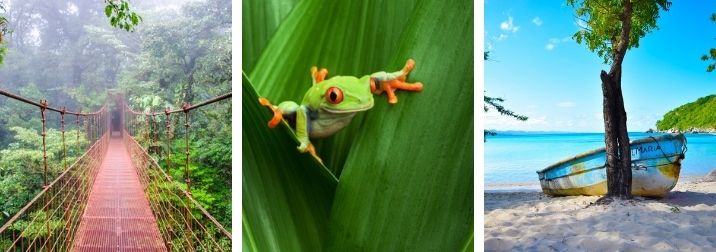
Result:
pixel 187 177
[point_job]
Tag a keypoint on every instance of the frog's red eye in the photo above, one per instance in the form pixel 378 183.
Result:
pixel 334 95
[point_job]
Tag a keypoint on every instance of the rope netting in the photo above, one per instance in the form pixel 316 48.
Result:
pixel 49 221
pixel 184 224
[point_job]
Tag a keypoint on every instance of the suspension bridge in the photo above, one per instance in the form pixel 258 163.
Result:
pixel 115 196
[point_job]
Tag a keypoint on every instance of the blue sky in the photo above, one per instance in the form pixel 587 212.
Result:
pixel 542 73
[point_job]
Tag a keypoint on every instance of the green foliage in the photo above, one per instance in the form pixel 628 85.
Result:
pixel 700 114
pixel 4 30
pixel 603 23
pixel 286 195
pixel 496 103
pixel 183 58
pixel 18 114
pixel 711 56
pixel 261 19
pixel 21 165
pixel 74 60
pixel 120 15
pixel 72 55
pixel 39 226
pixel 186 57
pixel 210 171
pixel 396 173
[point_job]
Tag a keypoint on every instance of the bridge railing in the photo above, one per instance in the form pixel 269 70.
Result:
pixel 185 225
pixel 50 220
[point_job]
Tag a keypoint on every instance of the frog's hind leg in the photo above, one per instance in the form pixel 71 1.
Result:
pixel 318 75
pixel 390 82
pixel 303 123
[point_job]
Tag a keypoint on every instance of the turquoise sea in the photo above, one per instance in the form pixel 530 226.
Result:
pixel 514 157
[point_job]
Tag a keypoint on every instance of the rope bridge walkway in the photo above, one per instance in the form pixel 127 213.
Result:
pixel 115 196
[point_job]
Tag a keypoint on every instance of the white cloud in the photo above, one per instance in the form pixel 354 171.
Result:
pixel 537 21
pixel 501 37
pixel 566 104
pixel 507 25
pixel 553 42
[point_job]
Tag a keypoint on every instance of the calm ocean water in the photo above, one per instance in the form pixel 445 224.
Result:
pixel 515 157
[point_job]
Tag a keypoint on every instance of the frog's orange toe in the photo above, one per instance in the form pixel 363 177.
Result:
pixel 277 115
pixel 318 75
pixel 312 150
pixel 275 119
pixel 409 65
pixel 264 102
pixel 415 87
pixel 399 83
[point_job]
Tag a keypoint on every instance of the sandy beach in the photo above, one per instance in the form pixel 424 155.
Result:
pixel 684 220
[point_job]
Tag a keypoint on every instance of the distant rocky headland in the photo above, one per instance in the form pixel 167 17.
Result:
pixel 694 117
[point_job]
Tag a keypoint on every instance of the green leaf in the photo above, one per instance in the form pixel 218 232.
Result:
pixel 406 170
pixel 347 42
pixel 287 195
pixel 135 19
pixel 260 20
pixel 420 159
pixel 108 10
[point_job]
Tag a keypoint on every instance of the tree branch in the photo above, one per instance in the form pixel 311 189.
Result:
pixel 624 36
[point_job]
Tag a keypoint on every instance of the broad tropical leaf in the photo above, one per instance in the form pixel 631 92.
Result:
pixel 406 170
pixel 407 185
pixel 353 37
pixel 260 19
pixel 286 196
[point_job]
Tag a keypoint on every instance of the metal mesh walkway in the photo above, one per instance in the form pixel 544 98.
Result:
pixel 118 216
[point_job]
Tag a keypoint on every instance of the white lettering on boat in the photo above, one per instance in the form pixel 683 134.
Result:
pixel 638 150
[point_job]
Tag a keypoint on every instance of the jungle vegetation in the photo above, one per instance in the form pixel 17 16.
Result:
pixel 158 53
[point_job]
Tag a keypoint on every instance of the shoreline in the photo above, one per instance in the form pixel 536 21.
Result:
pixel 685 219
pixel 506 187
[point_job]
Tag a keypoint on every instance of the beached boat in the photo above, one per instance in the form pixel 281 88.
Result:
pixel 656 163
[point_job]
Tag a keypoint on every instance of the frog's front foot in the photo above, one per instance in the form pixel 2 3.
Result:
pixel 318 75
pixel 394 81
pixel 277 115
pixel 308 147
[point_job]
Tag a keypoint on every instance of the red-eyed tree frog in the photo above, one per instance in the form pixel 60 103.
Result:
pixel 329 105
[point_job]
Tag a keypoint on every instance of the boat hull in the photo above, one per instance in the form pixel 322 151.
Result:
pixel 656 164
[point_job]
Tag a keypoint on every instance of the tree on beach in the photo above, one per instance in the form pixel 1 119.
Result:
pixel 610 28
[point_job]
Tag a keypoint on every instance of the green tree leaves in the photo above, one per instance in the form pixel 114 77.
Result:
pixel 711 54
pixel 120 15
pixel 601 23
pixel 21 165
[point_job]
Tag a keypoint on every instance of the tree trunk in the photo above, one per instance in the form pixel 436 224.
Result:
pixel 616 138
pixel 189 91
